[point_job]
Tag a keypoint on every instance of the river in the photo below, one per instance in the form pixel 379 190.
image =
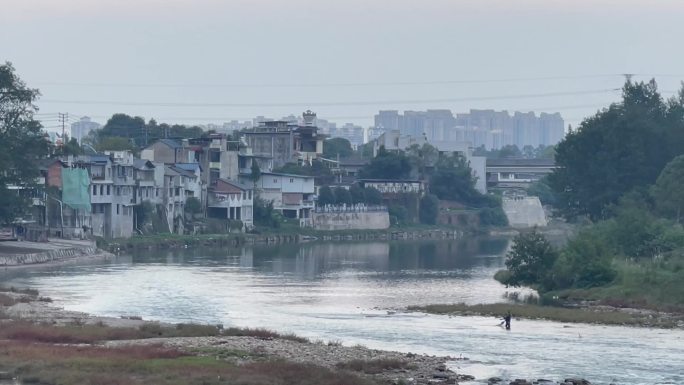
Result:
pixel 353 292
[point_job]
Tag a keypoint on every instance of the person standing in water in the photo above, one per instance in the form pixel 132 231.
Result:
pixel 507 320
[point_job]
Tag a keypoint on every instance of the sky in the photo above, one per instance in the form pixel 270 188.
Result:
pixel 210 61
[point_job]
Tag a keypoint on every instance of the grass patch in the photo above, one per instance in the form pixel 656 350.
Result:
pixel 374 366
pixel 80 333
pixel 262 334
pixel 574 315
pixel 47 364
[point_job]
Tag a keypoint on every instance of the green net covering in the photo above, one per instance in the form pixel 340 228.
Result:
pixel 75 188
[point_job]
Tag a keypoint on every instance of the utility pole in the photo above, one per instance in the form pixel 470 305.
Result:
pixel 63 118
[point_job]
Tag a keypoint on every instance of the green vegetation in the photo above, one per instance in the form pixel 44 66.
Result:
pixel 607 316
pixel 621 148
pixel 50 364
pixel 622 173
pixel 334 147
pixel 22 143
pixel 387 165
pixel 512 151
pixel 124 132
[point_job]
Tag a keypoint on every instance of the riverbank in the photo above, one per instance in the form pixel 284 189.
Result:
pixel 48 345
pixel 175 241
pixel 23 254
pixel 593 314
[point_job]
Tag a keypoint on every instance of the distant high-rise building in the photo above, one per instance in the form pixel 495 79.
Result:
pixel 80 129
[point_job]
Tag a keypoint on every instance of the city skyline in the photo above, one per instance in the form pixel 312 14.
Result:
pixel 346 60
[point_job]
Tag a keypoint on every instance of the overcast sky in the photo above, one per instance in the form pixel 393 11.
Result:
pixel 208 61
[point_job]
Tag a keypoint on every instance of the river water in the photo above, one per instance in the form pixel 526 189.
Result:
pixel 353 293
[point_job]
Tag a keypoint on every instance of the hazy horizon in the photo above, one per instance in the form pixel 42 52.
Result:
pixel 211 61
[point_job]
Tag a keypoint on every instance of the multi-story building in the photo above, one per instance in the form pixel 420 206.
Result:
pixel 292 195
pixel 284 142
pixel 231 200
pixel 82 128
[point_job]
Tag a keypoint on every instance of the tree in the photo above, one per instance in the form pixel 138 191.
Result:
pixel 358 195
pixel 373 196
pixel 115 143
pixel 255 174
pixel 22 143
pixel 584 262
pixel 337 146
pixel 530 260
pixel 622 147
pixel 387 165
pixel 193 206
pixel 422 158
pixel 453 180
pixel 342 196
pixel 325 196
pixel 429 209
pixel 71 147
pixel 668 191
pixel 543 191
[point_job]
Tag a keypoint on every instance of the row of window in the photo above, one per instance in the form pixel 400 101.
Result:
pixel 120 209
pixel 107 190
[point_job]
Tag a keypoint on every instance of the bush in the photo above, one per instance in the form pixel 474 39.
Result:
pixel 530 260
pixel 429 209
pixel 584 262
pixel 493 217
pixel 193 206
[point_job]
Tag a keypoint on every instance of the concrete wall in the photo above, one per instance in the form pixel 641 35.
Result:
pixel 351 221
pixel 46 256
pixel 524 212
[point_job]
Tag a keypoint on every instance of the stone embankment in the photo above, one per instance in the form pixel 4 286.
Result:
pixel 57 250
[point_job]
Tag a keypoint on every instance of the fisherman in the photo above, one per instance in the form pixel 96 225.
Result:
pixel 507 320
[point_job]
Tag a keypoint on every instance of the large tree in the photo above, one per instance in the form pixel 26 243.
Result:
pixel 22 143
pixel 668 191
pixel 622 147
pixel 337 146
pixel 387 165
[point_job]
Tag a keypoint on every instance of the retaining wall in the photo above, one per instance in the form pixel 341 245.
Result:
pixel 376 220
pixel 46 256
pixel 524 212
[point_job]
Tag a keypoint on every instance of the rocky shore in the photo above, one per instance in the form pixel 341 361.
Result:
pixel 382 367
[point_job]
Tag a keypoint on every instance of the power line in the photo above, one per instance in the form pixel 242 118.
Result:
pixel 322 85
pixel 323 104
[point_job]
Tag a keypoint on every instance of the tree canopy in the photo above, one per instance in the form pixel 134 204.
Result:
pixel 22 142
pixel 139 133
pixel 668 191
pixel 387 165
pixel 622 147
pixel 337 146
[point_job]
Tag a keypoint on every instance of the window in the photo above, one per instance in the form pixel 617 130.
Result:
pixel 94 190
pixel 156 192
pixel 109 190
pixel 275 180
pixel 101 189
pixel 117 209
pixel 291 180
